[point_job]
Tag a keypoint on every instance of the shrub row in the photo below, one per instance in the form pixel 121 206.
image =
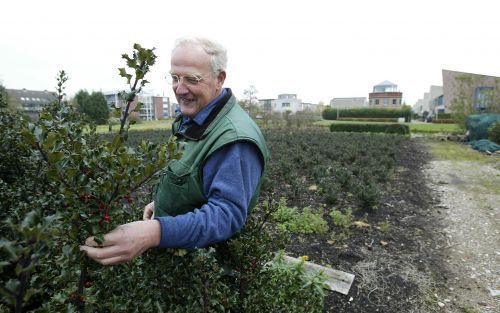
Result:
pixel 369 119
pixel 445 121
pixel 331 114
pixel 371 128
pixel 445 116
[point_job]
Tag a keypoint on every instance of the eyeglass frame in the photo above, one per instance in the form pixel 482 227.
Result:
pixel 196 79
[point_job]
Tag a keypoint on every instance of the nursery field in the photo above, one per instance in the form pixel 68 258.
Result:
pixel 370 191
pixel 357 203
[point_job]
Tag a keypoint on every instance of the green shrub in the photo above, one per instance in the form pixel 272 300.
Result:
pixel 331 114
pixel 340 219
pixel 494 132
pixel 445 121
pixel 304 292
pixel 444 116
pixel 400 129
pixel 307 222
pixel 369 119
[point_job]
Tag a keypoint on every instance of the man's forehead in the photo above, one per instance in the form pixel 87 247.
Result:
pixel 190 56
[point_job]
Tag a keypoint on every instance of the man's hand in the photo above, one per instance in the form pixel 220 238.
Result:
pixel 149 212
pixel 124 243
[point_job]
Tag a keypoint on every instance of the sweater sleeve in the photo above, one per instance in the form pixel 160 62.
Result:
pixel 230 178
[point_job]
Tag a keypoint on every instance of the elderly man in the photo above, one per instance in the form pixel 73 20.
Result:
pixel 204 197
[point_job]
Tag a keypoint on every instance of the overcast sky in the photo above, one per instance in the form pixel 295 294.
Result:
pixel 317 49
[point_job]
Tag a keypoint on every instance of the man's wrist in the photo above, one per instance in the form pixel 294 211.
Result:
pixel 154 233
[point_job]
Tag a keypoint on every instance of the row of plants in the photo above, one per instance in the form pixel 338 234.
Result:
pixel 333 114
pixel 334 165
pixel 444 121
pixel 369 119
pixel 392 128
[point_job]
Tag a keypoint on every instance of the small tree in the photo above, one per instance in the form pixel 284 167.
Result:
pixel 93 105
pixel 250 95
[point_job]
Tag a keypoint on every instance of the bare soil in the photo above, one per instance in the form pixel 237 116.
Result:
pixel 432 244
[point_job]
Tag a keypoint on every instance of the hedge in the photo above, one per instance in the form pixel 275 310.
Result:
pixel 331 114
pixel 445 121
pixel 400 129
pixel 369 119
pixel 444 116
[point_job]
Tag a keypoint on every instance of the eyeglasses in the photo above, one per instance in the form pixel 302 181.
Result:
pixel 190 80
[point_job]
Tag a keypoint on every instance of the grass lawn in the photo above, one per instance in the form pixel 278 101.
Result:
pixel 424 128
pixel 145 125
pixel 455 151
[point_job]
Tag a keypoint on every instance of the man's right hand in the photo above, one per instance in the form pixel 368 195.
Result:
pixel 149 212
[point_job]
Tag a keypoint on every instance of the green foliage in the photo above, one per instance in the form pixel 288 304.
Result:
pixel 340 219
pixel 56 169
pixel 400 129
pixel 342 222
pixel 369 119
pixel 303 292
pixel 384 227
pixel 494 132
pixel 4 97
pixel 445 121
pixel 93 105
pixel 8 102
pixel 339 164
pixel 331 114
pixel 305 222
pixel 445 116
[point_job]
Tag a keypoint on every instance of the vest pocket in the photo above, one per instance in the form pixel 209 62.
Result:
pixel 177 173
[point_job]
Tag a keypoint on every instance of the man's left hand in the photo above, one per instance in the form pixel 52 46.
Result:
pixel 124 243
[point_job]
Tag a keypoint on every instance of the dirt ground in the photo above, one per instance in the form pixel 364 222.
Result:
pixel 469 194
pixel 433 244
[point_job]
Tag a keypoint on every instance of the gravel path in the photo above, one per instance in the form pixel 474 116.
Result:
pixel 469 211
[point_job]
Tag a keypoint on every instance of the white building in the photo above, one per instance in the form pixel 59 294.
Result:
pixel 285 102
pixel 153 108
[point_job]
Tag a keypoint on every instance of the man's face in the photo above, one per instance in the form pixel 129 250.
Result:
pixel 192 61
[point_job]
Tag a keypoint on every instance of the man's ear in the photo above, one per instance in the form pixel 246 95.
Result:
pixel 221 77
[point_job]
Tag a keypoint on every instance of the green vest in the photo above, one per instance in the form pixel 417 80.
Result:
pixel 180 189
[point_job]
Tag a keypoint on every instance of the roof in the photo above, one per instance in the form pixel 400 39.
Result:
pixel 385 83
pixel 25 95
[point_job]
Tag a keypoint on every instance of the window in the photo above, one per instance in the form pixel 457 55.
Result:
pixel 377 101
pixel 285 105
pixel 483 97
pixel 394 101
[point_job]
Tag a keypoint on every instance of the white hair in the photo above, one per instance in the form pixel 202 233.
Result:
pixel 217 53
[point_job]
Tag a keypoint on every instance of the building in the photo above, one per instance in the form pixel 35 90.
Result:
pixel 153 107
pixel 285 102
pixel 32 101
pixel 385 95
pixel 431 104
pixel 480 90
pixel 348 103
pixel 476 89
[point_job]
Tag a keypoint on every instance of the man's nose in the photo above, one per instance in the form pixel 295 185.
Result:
pixel 180 88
